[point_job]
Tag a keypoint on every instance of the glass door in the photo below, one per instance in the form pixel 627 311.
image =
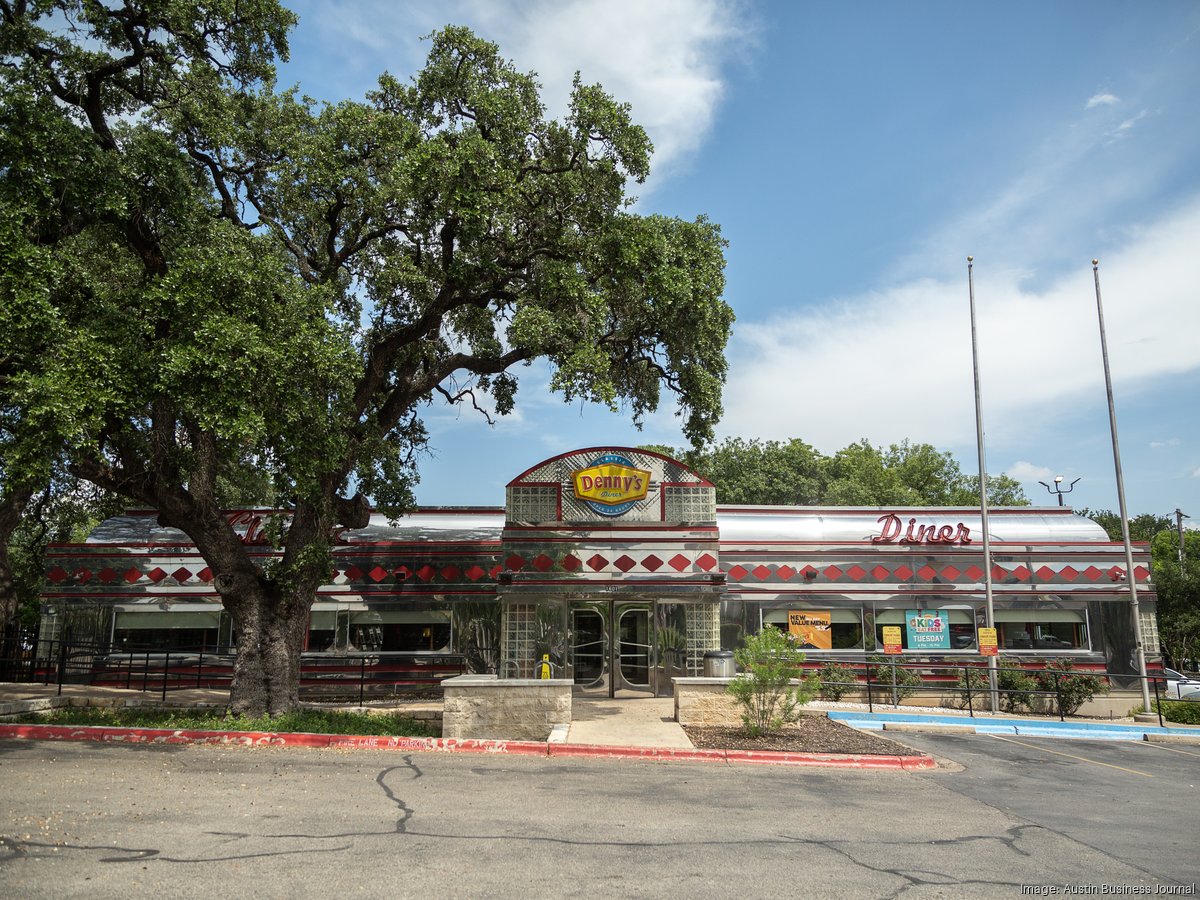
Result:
pixel 612 650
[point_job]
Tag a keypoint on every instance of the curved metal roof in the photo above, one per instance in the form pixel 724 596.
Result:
pixel 749 524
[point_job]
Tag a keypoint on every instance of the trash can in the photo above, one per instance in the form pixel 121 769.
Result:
pixel 719 664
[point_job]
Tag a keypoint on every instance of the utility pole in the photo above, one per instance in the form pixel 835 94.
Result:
pixel 1180 515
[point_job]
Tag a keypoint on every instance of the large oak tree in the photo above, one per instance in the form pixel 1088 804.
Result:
pixel 236 280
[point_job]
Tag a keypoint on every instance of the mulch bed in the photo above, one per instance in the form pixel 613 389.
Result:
pixel 812 734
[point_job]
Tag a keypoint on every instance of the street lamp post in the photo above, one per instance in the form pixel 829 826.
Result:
pixel 1057 489
pixel 1130 573
pixel 985 531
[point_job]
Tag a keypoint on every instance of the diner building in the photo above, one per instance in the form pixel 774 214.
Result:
pixel 619 568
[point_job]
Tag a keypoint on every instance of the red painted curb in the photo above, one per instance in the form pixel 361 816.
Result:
pixel 596 751
pixel 109 734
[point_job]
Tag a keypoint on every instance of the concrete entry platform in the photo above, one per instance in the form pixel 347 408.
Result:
pixel 642 722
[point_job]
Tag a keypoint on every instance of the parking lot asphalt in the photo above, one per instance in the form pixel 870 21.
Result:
pixel 1136 801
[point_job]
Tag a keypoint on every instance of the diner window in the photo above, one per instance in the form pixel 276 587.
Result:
pixel 845 626
pixel 959 624
pixel 1041 629
pixel 400 631
pixel 322 630
pixel 166 631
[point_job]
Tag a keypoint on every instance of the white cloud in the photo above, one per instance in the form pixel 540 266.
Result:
pixel 666 58
pixel 1170 442
pixel 897 363
pixel 1027 471
pixel 1196 474
pixel 1105 99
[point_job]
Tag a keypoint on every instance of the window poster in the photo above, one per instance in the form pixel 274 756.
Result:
pixel 812 628
pixel 927 630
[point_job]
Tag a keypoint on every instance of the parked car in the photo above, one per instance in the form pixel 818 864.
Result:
pixel 1180 687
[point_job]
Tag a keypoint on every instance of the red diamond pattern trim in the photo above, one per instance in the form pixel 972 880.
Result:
pixel 833 573
pixel 762 573
pixel 1141 572
pixel 1021 573
pixel 1045 573
pixel 1091 573
pixel 809 572
pixel 950 573
pixel 543 563
pixel 1069 573
pixel 131 575
pixel 879 573
pixel 737 573
pixel 974 573
pixel 625 563
pixel 354 573
pixel 597 562
pixel 514 563
pixel 926 573
pixel 426 572
pixel 474 573
pixel 57 574
pixel 108 576
pixel 679 562
pixel 570 563
pixel 181 575
pixel 999 573
pixel 378 573
pixel 856 573
pixel 156 574
pixel 205 575
pixel 652 563
pixel 495 571
pixel 903 573
pixel 450 573
pixel 706 563
pixel 787 573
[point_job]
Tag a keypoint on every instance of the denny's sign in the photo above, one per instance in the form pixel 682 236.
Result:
pixel 611 485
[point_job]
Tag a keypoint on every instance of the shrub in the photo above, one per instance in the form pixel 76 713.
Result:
pixel 898 682
pixel 836 681
pixel 1017 687
pixel 1073 689
pixel 769 661
pixel 1182 712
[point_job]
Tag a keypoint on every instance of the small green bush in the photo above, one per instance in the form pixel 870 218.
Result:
pixel 1182 712
pixel 1017 688
pixel 769 661
pixel 898 682
pixel 1072 689
pixel 836 681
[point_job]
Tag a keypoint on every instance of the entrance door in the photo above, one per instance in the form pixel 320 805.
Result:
pixel 612 648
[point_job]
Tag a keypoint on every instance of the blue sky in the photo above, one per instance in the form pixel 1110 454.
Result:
pixel 855 154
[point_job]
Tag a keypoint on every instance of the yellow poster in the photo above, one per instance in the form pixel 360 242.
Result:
pixel 811 628
pixel 987 642
pixel 891 639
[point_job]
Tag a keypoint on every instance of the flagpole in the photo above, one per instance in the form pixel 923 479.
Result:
pixel 1130 573
pixel 993 680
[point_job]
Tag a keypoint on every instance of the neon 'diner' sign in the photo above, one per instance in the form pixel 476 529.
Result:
pixel 611 485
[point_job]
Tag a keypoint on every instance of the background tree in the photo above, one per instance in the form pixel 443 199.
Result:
pixel 1178 590
pixel 250 282
pixel 1177 587
pixel 793 473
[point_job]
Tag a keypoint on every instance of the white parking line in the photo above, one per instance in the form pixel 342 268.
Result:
pixel 1094 762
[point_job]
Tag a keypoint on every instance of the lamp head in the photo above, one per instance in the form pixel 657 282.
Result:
pixel 1058 479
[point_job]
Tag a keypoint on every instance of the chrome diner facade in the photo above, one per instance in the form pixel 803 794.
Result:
pixel 618 567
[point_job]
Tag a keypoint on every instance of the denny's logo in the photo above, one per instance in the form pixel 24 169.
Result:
pixel 611 485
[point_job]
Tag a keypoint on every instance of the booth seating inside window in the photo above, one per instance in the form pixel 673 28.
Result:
pixel 1041 629
pixel 400 631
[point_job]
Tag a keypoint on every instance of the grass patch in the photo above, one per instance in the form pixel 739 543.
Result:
pixel 305 721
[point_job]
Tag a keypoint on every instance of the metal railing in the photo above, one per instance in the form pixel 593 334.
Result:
pixel 1048 690
pixel 333 676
